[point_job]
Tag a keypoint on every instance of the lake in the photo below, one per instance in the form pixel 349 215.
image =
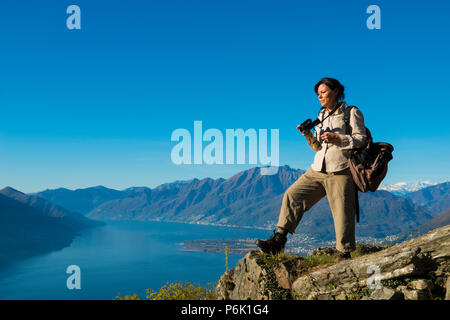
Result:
pixel 125 258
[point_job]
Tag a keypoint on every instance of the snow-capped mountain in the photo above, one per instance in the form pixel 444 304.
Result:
pixel 402 188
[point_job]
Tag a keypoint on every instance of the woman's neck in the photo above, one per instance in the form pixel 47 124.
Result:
pixel 329 109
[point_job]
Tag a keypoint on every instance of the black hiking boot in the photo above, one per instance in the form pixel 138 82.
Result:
pixel 274 244
pixel 344 255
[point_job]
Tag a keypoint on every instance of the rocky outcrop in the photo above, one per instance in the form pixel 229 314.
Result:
pixel 414 270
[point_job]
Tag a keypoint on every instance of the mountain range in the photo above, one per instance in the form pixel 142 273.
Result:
pixel 435 198
pixel 49 220
pixel 403 188
pixel 249 199
pixel 81 200
pixel 31 225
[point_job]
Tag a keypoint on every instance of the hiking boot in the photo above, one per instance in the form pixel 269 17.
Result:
pixel 274 244
pixel 344 255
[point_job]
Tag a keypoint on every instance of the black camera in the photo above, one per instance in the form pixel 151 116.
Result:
pixel 307 125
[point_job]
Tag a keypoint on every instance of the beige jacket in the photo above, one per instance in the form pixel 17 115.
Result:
pixel 334 157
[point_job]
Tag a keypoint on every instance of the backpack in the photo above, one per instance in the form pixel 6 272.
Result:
pixel 368 164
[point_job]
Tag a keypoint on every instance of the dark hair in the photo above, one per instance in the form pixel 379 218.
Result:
pixel 332 84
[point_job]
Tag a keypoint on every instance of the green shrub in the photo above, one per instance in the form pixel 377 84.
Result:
pixel 176 291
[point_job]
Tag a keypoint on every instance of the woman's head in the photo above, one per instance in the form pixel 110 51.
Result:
pixel 329 91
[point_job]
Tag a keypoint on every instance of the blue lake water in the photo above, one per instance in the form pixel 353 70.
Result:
pixel 122 257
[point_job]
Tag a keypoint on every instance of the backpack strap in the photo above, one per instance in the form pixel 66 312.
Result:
pixel 348 130
pixel 347 110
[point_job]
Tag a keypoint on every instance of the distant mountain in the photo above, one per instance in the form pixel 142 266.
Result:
pixel 435 198
pixel 81 200
pixel 251 199
pixel 73 220
pixel 381 213
pixel 30 225
pixel 220 201
pixel 176 184
pixel 439 221
pixel 402 188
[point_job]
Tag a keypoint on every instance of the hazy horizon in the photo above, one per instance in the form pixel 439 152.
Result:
pixel 122 188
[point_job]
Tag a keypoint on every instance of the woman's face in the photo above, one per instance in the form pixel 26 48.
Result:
pixel 327 97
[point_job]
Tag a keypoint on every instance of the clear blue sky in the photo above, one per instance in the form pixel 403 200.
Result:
pixel 97 106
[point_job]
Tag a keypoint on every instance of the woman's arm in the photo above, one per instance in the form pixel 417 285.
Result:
pixel 312 141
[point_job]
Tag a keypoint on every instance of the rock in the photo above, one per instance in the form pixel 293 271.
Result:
pixel 245 281
pixel 419 256
pixel 325 251
pixel 447 289
pixel 282 276
pixel 422 284
pixel 401 288
pixel 385 293
pixel 341 296
pixel 349 279
pixel 360 248
pixel 416 294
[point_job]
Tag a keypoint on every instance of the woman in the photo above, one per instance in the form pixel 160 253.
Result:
pixel 328 175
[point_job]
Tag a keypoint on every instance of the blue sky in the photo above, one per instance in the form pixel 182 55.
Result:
pixel 97 106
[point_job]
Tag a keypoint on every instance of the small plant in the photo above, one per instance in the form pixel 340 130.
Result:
pixel 332 286
pixel 175 291
pixel 402 281
pixel 128 297
pixel 358 292
pixel 227 251
pixel 180 291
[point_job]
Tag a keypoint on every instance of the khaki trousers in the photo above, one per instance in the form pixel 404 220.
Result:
pixel 309 189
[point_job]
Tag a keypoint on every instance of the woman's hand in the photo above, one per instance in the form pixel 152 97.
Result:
pixel 331 137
